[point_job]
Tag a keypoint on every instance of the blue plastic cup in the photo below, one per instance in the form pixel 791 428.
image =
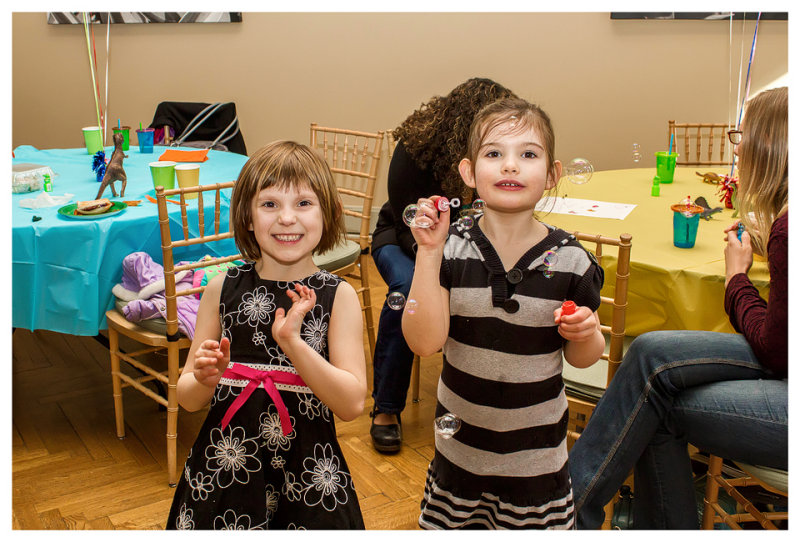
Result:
pixel 684 229
pixel 145 140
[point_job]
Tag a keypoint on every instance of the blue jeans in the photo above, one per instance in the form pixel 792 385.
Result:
pixel 393 358
pixel 672 387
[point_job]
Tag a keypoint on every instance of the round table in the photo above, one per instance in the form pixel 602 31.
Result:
pixel 669 287
pixel 63 269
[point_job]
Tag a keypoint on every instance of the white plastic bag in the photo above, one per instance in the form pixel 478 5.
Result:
pixel 45 199
pixel 29 177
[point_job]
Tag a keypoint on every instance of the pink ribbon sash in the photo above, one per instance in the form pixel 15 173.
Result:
pixel 269 379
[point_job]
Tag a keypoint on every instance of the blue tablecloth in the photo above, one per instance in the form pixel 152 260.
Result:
pixel 63 269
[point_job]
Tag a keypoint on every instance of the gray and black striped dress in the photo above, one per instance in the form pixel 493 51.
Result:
pixel 506 468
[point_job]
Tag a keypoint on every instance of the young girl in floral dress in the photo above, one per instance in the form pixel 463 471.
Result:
pixel 277 351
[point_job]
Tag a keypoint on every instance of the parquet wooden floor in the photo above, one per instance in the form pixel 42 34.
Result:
pixel 70 471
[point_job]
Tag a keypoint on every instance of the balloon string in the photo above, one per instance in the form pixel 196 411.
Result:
pixel 97 88
pixel 94 82
pixel 749 65
pixel 108 37
pixel 730 75
pixel 747 78
pixel 739 82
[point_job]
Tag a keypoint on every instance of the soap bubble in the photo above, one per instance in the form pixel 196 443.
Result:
pixel 465 222
pixel 579 171
pixel 688 205
pixel 411 306
pixel 637 152
pixel 548 274
pixel 411 220
pixel 455 203
pixel 409 214
pixel 396 300
pixel 447 425
pixel 478 205
pixel 550 258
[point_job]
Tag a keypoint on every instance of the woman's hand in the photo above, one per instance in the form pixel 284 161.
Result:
pixel 752 229
pixel 738 254
pixel 211 360
pixel 435 235
pixel 579 326
pixel 287 327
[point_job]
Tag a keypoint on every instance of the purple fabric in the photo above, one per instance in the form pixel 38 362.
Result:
pixel 139 270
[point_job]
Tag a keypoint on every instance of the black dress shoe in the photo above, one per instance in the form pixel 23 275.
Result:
pixel 386 438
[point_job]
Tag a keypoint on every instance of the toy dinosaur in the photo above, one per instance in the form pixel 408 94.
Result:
pixel 114 171
pixel 710 177
pixel 707 210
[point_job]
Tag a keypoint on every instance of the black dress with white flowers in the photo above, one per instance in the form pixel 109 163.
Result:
pixel 253 474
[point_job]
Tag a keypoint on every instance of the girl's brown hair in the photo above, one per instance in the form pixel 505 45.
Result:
pixel 521 115
pixel 282 164
pixel 764 163
pixel 435 135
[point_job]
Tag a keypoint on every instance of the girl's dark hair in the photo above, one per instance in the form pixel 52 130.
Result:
pixel 282 164
pixel 435 135
pixel 519 115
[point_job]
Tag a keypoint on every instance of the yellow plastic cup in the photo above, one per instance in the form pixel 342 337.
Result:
pixel 188 175
pixel 93 139
pixel 163 174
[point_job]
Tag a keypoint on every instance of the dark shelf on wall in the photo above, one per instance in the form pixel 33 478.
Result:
pixel 702 16
pixel 146 17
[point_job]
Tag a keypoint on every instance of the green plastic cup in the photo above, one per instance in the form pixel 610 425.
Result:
pixel 665 166
pixel 126 136
pixel 163 174
pixel 93 139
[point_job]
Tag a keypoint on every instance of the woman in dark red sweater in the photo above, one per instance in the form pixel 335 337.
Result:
pixel 725 393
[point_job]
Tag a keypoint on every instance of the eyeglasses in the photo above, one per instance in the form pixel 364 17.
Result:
pixel 735 136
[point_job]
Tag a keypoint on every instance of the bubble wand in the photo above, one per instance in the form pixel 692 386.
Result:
pixel 671 138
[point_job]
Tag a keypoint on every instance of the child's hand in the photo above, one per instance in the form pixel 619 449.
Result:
pixel 436 234
pixel 287 327
pixel 579 326
pixel 738 254
pixel 211 360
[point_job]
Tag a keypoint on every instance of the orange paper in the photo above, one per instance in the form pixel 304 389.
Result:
pixel 174 155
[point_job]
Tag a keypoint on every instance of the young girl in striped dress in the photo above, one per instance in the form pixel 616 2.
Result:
pixel 490 296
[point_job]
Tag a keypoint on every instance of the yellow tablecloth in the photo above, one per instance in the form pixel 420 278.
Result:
pixel 669 287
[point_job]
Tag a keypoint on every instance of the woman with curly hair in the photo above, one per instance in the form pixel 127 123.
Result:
pixel 431 143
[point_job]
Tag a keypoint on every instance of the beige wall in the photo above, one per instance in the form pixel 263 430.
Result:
pixel 605 83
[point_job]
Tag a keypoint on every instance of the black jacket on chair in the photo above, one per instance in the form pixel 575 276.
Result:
pixel 178 115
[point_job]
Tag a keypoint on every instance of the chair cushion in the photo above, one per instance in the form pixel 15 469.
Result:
pixel 779 479
pixel 590 382
pixel 339 257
